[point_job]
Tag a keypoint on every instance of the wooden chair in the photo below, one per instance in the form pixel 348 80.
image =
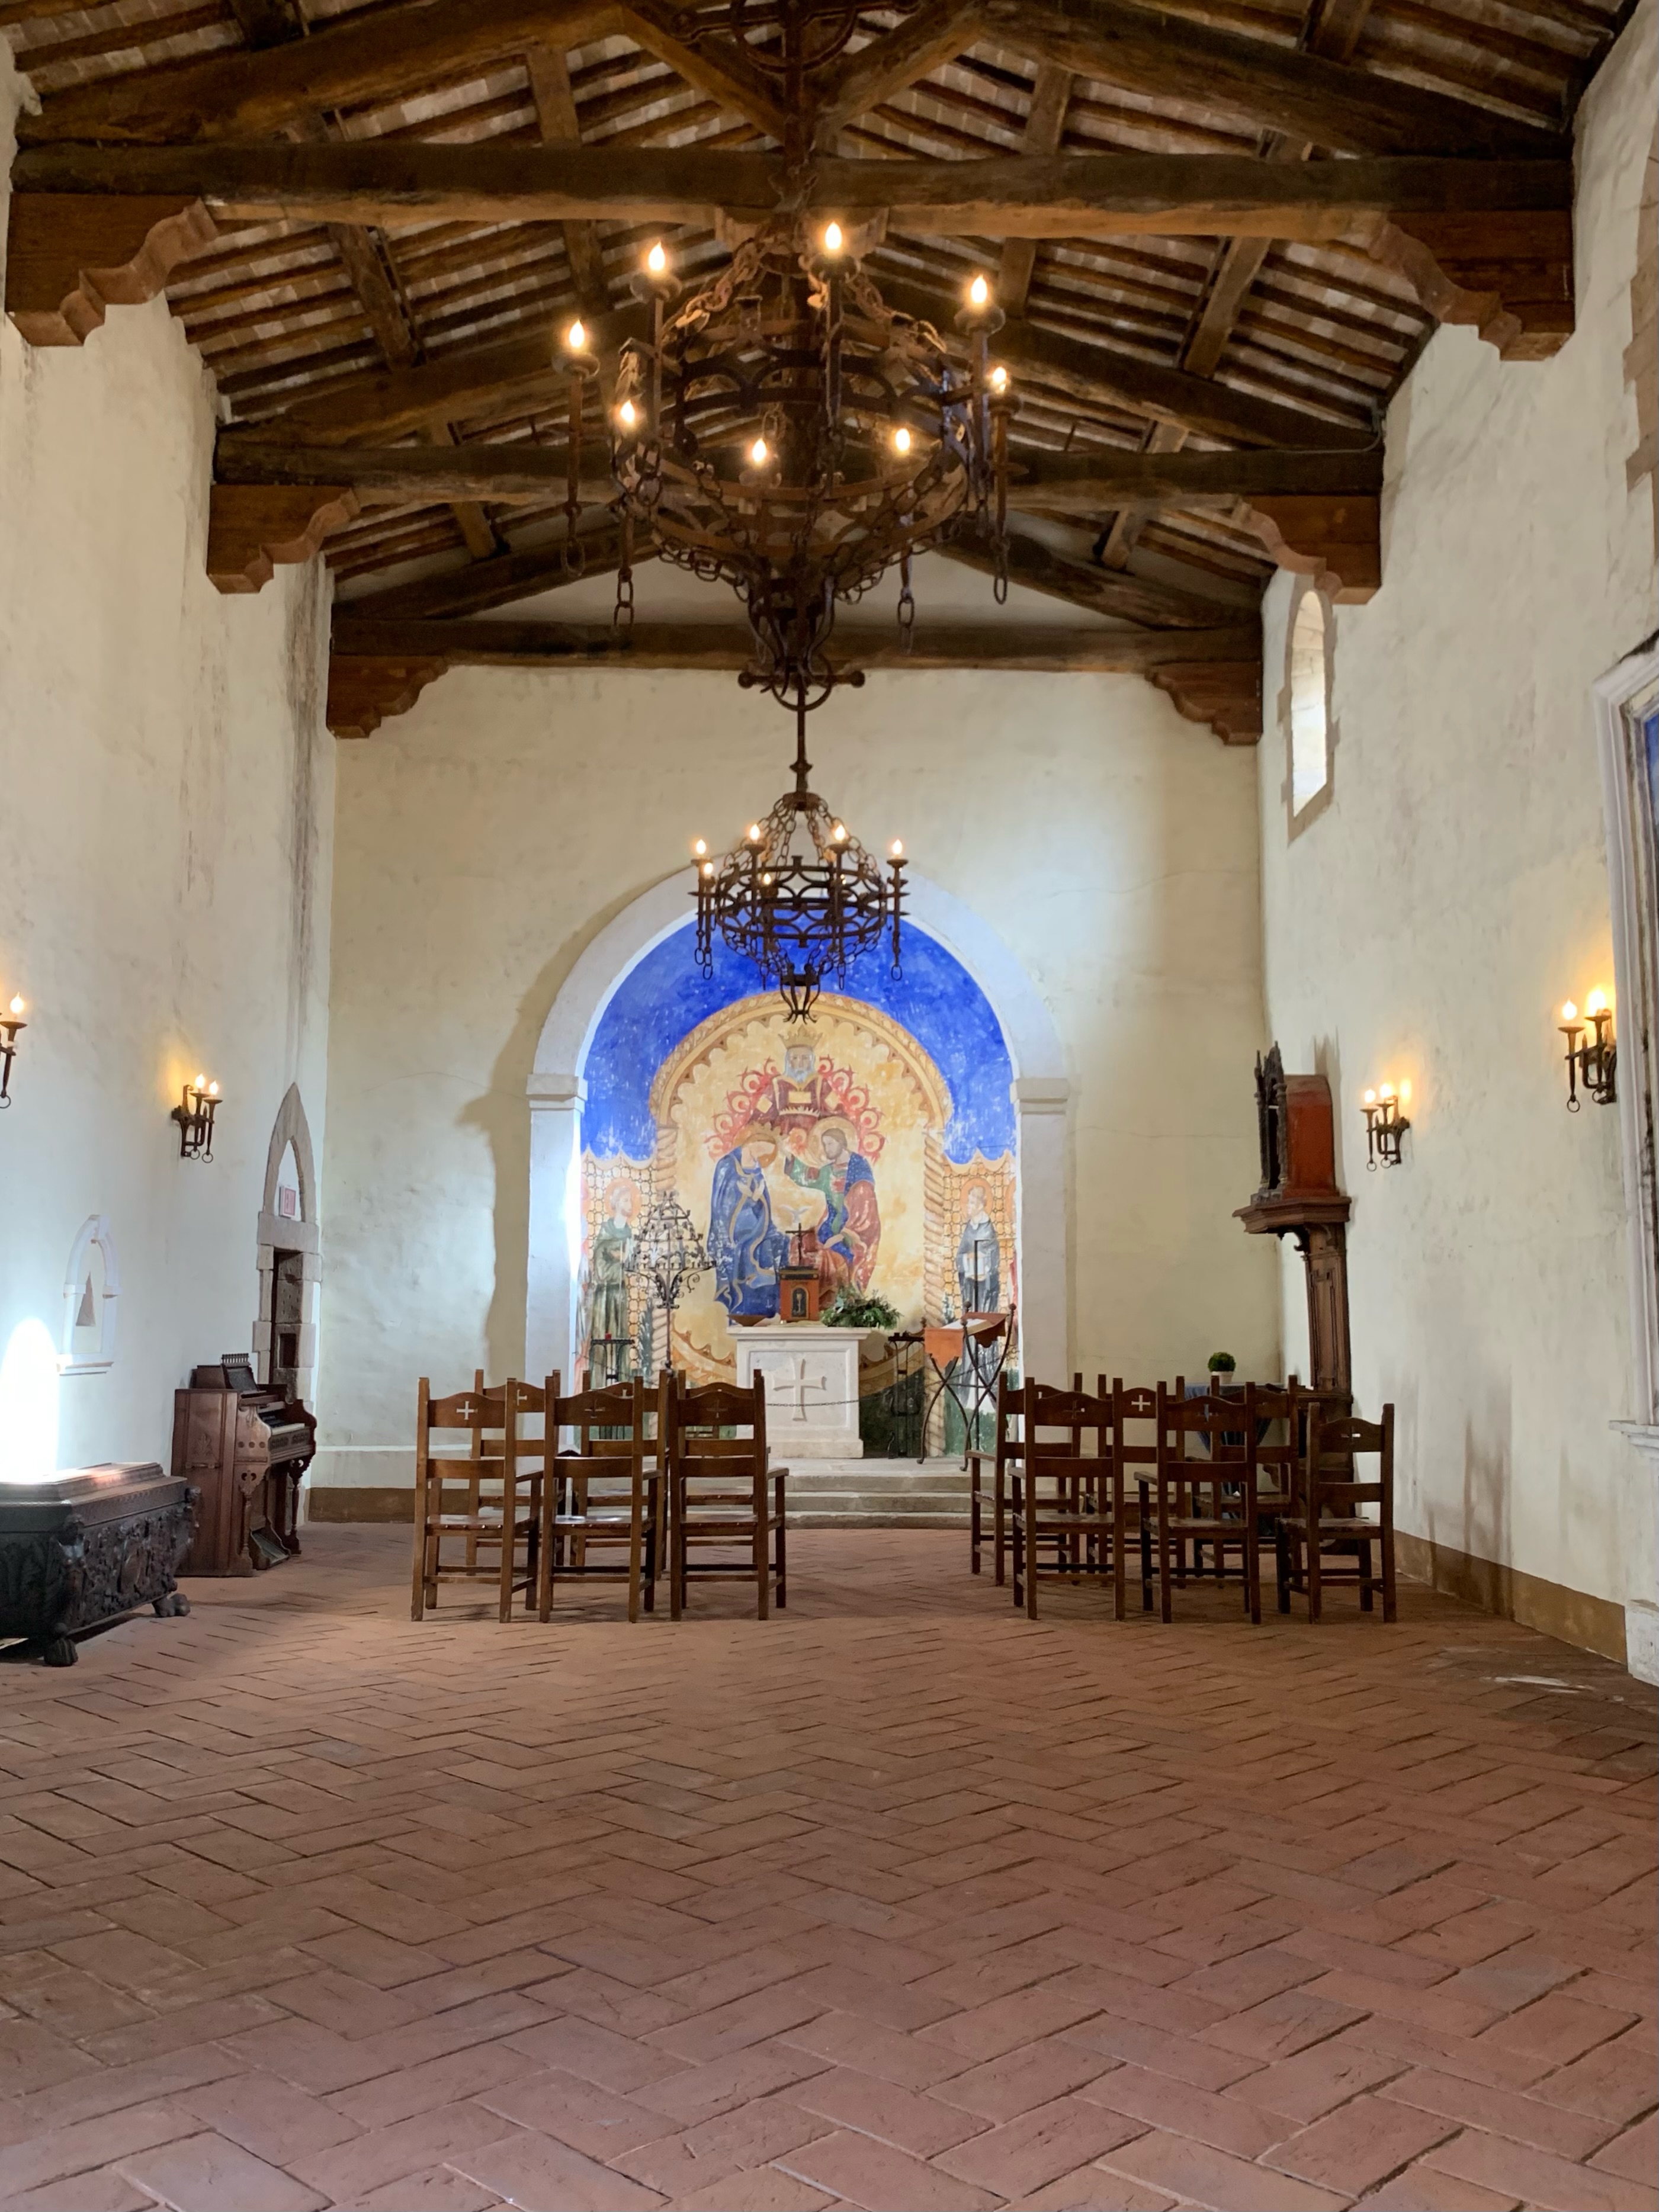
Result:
pixel 1206 1498
pixel 1327 1521
pixel 723 1495
pixel 1005 1450
pixel 489 1502
pixel 1069 1525
pixel 1134 1428
pixel 604 1493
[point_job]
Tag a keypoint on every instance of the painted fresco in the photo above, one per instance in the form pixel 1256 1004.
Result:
pixel 875 1144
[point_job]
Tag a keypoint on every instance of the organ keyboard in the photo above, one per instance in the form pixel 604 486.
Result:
pixel 245 1448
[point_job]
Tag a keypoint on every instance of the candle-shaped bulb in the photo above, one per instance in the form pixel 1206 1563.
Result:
pixel 1385 1090
pixel 576 337
pixel 17 1006
pixel 897 848
pixel 832 240
pixel 657 260
pixel 754 832
pixel 708 867
pixel 998 379
pixel 1569 1012
pixel 839 833
pixel 979 293
pixel 901 439
pixel 700 846
pixel 759 452
pixel 213 1090
pixel 766 879
pixel 628 414
pixel 1370 1098
pixel 1597 1003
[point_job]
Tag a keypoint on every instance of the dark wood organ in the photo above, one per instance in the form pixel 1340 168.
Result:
pixel 245 1448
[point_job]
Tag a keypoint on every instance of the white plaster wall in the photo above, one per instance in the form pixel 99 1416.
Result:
pixel 482 840
pixel 1430 922
pixel 166 812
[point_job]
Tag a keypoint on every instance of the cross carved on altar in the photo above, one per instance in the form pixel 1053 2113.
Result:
pixel 794 1378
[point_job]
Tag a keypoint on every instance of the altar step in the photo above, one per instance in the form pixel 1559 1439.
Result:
pixel 877 1494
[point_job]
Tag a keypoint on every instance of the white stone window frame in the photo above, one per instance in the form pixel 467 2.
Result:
pixel 94 1230
pixel 1299 818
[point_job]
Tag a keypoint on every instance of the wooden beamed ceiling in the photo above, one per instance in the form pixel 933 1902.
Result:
pixel 1221 234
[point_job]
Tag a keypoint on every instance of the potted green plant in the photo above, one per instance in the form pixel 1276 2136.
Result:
pixel 1222 1368
pixel 851 1308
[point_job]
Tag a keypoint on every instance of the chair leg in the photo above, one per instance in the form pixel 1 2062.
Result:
pixel 1120 1573
pixel 547 1548
pixel 1315 1593
pixel 1253 1568
pixel 1166 1611
pixel 417 1594
pixel 636 1547
pixel 1031 1545
pixel 1001 1511
pixel 676 1546
pixel 972 1522
pixel 758 1545
pixel 1367 1598
pixel 1386 1547
pixel 783 1579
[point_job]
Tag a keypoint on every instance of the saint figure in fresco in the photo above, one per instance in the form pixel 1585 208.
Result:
pixel 609 1340
pixel 850 1231
pixel 979 1255
pixel 795 1100
pixel 745 1245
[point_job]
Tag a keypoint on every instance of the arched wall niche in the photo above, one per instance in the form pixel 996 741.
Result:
pixel 282 1232
pixel 557 1090
pixel 92 1295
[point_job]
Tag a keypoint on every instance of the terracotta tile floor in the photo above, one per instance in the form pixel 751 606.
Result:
pixel 899 1901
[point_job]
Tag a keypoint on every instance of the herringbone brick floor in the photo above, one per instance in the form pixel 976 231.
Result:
pixel 901 1902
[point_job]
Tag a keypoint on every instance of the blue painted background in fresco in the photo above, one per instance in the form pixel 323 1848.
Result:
pixel 665 997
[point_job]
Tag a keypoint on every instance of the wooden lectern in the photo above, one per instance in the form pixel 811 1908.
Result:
pixel 1299 1198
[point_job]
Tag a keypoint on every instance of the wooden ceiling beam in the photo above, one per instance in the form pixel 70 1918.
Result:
pixel 1045 129
pixel 1035 566
pixel 936 34
pixel 1250 81
pixel 1011 196
pixel 379 668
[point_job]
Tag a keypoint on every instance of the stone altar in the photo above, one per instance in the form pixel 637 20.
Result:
pixel 812 1375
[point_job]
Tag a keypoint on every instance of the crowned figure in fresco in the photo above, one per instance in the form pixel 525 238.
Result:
pixel 827 1160
pixel 799 1098
pixel 745 1245
pixel 609 1338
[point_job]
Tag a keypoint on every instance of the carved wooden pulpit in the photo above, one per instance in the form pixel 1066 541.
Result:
pixel 1299 1198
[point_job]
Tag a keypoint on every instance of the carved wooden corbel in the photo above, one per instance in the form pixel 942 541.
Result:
pixel 69 255
pixel 251 527
pixel 1225 694
pixel 1508 275
pixel 1336 538
pixel 362 691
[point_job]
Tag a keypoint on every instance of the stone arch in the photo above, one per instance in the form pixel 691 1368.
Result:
pixel 557 1090
pixel 78 1290
pixel 280 1233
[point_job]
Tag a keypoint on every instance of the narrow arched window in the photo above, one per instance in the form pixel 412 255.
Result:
pixel 1310 725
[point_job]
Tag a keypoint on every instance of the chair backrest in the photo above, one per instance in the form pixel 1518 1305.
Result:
pixel 481 1413
pixel 1134 1419
pixel 620 1407
pixel 522 1402
pixel 1280 1455
pixel 1056 1426
pixel 696 1416
pixel 1334 1442
pixel 1183 1421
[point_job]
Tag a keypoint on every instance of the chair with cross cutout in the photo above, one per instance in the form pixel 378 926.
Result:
pixel 1005 1449
pixel 1329 1529
pixel 1069 1520
pixel 487 1505
pixel 724 1497
pixel 1207 1492
pixel 603 1491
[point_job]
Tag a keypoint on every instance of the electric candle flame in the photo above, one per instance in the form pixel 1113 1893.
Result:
pixel 897 848
pixel 200 1082
pixel 902 440
pixel 628 414
pixel 708 867
pixel 1597 1003
pixel 16 1006
pixel 1569 1012
pixel 213 1090
pixel 754 832
pixel 1370 1098
pixel 999 378
pixel 832 238
pixel 700 846
pixel 758 453
pixel 839 833
pixel 657 261
pixel 1386 1091
pixel 575 337
pixel 979 293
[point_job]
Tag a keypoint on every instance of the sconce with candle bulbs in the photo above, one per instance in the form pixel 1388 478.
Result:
pixel 1592 1054
pixel 195 1114
pixel 10 1021
pixel 1385 1125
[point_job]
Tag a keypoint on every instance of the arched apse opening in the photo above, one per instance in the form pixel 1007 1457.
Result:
pixel 560 1202
pixel 290 1257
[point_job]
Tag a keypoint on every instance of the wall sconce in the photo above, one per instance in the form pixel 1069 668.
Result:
pixel 10 1021
pixel 1385 1125
pixel 194 1113
pixel 1593 1063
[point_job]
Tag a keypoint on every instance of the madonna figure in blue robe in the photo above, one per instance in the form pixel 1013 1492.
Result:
pixel 744 1244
